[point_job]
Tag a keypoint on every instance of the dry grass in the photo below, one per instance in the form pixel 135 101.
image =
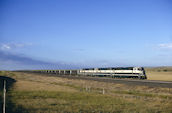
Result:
pixel 160 73
pixel 32 82
pixel 37 94
pixel 165 76
pixel 40 86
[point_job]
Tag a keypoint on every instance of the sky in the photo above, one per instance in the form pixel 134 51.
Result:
pixel 57 34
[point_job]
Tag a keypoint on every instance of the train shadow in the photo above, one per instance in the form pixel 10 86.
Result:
pixel 10 106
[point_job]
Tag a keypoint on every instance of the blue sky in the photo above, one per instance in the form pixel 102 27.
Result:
pixel 85 33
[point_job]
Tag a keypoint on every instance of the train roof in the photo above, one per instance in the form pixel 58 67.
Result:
pixel 111 68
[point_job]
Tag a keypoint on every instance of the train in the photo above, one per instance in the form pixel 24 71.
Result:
pixel 120 72
pixel 113 72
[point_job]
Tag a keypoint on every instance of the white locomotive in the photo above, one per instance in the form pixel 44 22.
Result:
pixel 122 72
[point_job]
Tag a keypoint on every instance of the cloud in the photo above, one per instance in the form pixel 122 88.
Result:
pixel 9 46
pixel 12 60
pixel 9 61
pixel 166 45
pixel 5 47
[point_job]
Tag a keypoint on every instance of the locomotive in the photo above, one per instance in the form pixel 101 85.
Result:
pixel 122 72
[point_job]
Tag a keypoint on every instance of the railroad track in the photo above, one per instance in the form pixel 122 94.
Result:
pixel 149 83
pixel 134 82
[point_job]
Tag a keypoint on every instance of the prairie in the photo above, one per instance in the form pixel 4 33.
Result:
pixel 159 73
pixel 34 93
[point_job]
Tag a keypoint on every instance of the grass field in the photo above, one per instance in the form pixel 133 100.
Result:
pixel 159 73
pixel 41 94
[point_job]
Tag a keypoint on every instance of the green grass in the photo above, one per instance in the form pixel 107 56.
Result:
pixel 51 101
pixel 69 102
pixel 2 73
pixel 68 85
pixel 7 73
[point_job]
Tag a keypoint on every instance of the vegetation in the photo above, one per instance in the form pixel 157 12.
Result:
pixel 159 73
pixel 159 69
pixel 43 94
pixel 52 101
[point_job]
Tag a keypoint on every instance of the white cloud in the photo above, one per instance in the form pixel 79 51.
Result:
pixel 5 47
pixel 166 45
pixel 9 46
